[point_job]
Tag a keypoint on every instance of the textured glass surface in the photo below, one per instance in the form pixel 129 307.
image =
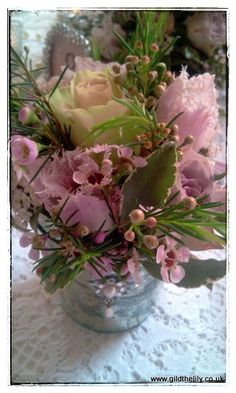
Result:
pixel 111 306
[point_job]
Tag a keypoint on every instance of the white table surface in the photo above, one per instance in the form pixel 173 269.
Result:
pixel 184 335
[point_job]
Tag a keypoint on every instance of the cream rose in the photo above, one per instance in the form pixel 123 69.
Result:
pixel 86 102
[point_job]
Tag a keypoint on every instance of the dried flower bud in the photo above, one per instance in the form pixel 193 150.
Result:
pixel 117 79
pixel 116 69
pixel 150 241
pixel 152 75
pixel 132 59
pixel 138 45
pixel 159 90
pixel 189 203
pixel 147 145
pixel 129 66
pixel 132 90
pixel 150 222
pixel 154 47
pixel 188 140
pixel 150 102
pixel 137 216
pixel 145 59
pixel 140 97
pixel 129 236
pixel 81 230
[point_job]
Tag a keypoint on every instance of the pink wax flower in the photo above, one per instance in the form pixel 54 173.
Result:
pixel 127 153
pixel 197 98
pixel 169 256
pixel 100 237
pixel 23 149
pixel 33 240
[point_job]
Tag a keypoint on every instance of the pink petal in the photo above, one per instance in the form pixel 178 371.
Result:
pixel 160 253
pixel 34 254
pixel 165 274
pixel 26 239
pixel 139 162
pixel 125 152
pixel 124 269
pixel 131 266
pixel 100 237
pixel 183 254
pixel 170 242
pixel 79 177
pixel 177 274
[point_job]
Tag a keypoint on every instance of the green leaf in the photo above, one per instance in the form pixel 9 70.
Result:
pixel 58 82
pixel 150 185
pixel 197 271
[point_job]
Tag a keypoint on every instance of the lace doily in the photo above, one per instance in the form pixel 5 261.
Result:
pixel 184 335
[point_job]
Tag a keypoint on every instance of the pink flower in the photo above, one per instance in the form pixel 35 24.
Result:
pixel 33 240
pixel 197 98
pixel 128 154
pixel 100 237
pixel 23 149
pixel 87 210
pixel 196 175
pixel 169 256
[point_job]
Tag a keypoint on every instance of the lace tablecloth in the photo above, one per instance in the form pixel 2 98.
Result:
pixel 183 336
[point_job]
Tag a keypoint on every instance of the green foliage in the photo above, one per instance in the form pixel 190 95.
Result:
pixel 150 185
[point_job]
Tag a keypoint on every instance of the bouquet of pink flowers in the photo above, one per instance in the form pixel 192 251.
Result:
pixel 112 167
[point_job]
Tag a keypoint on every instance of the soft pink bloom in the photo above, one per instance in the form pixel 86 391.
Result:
pixel 196 175
pixel 169 256
pixel 89 211
pixel 23 149
pixel 197 98
pixel 30 238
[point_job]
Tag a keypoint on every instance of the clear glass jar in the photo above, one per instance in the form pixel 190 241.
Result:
pixel 109 305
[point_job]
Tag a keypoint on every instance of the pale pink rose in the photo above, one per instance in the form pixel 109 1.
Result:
pixel 197 98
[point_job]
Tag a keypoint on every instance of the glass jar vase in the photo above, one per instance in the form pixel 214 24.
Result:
pixel 109 305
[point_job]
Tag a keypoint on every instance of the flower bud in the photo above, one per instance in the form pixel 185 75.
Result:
pixel 116 69
pixel 175 138
pixel 152 75
pixel 150 102
pixel 154 47
pixel 138 44
pixel 159 90
pixel 150 241
pixel 180 155
pixel 162 126
pixel 117 79
pixel 168 77
pixel 137 216
pixel 140 97
pixel 166 131
pixel 132 59
pixel 147 145
pixel 129 236
pixel 145 59
pixel 132 90
pixel 27 116
pixel 175 128
pixel 81 230
pixel 161 67
pixel 150 222
pixel 100 237
pixel 188 140
pixel 129 66
pixel 189 203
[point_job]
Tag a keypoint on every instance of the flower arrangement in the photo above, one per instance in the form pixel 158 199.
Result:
pixel 113 166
